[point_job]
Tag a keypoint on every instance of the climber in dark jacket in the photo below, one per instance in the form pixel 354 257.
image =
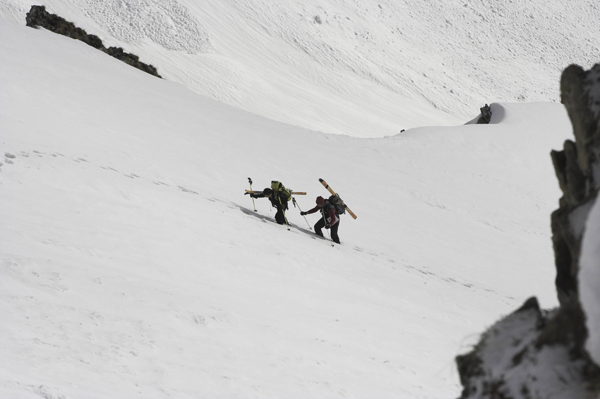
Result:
pixel 278 201
pixel 329 219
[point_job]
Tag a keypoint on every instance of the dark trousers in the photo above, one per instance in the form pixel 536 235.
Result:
pixel 282 206
pixel 334 229
pixel 279 216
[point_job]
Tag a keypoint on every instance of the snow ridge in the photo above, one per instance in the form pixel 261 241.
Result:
pixel 366 56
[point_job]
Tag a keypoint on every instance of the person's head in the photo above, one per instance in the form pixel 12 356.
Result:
pixel 320 201
pixel 267 192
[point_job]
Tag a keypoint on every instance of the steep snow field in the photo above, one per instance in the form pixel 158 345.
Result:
pixel 364 68
pixel 132 265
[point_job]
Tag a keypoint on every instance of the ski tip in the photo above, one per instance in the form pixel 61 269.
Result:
pixel 321 180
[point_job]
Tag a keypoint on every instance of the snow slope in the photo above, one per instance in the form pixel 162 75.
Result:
pixel 132 265
pixel 364 68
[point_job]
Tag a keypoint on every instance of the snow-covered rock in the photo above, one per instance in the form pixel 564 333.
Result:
pixel 38 16
pixel 531 354
pixel 511 362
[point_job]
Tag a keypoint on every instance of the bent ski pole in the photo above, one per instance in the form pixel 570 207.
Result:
pixel 253 204
pixel 296 204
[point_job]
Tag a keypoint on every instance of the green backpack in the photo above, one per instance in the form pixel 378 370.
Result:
pixel 281 191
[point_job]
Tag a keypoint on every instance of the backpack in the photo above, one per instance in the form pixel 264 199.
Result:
pixel 281 191
pixel 337 204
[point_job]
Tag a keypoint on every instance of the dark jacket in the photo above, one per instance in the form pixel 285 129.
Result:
pixel 277 200
pixel 328 212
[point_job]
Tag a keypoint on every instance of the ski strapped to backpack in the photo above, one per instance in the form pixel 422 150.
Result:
pixel 280 189
pixel 291 192
pixel 336 201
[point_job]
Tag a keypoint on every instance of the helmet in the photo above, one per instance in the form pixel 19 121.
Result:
pixel 267 191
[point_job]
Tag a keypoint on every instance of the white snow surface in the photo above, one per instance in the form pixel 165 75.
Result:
pixel 364 68
pixel 132 265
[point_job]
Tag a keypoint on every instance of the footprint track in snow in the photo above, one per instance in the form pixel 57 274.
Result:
pixel 10 158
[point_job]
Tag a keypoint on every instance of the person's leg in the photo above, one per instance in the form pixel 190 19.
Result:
pixel 334 234
pixel 279 217
pixel 318 226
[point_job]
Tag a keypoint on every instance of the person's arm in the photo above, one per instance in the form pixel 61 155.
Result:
pixel 316 208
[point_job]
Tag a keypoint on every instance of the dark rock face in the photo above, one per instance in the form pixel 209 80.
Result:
pixel 38 16
pixel 486 115
pixel 522 352
pixel 131 59
pixel 575 167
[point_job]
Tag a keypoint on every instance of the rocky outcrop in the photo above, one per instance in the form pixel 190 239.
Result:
pixel 486 115
pixel 536 354
pixel 39 17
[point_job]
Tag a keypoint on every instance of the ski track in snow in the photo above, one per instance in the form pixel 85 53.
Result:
pixel 10 158
pixel 380 258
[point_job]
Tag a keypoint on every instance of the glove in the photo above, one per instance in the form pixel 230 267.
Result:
pixel 246 193
pixel 302 213
pixel 327 225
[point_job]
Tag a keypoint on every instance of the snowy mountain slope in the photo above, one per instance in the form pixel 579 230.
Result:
pixel 132 261
pixel 359 67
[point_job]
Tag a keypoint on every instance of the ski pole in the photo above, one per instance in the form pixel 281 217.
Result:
pixel 296 204
pixel 253 204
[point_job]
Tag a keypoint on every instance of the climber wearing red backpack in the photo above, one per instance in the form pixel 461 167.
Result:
pixel 330 219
